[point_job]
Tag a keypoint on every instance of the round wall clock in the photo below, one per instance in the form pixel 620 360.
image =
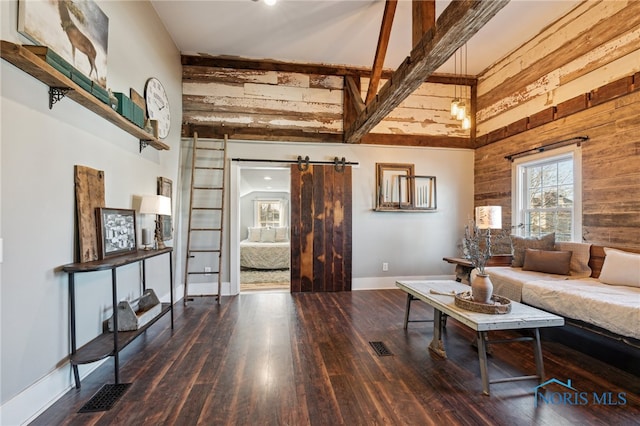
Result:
pixel 158 105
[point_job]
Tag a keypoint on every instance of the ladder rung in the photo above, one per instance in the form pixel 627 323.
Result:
pixel 206 208
pixel 205 229
pixel 218 188
pixel 203 251
pixel 209 149
pixel 203 273
pixel 208 168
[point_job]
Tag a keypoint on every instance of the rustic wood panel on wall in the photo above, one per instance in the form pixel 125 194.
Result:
pixel 610 169
pixel 89 184
pixel 427 111
pixel 279 105
pixel 272 100
pixel 321 229
pixel 595 44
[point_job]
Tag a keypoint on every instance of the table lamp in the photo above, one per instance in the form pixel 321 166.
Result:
pixel 489 217
pixel 155 205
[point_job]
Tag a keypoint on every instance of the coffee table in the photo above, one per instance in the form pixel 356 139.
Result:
pixel 439 295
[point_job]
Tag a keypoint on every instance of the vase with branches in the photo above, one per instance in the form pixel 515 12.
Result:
pixel 476 247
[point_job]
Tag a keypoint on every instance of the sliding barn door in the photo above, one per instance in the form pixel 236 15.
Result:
pixel 320 228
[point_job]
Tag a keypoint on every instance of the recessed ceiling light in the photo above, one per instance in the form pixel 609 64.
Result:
pixel 270 2
pixel 267 178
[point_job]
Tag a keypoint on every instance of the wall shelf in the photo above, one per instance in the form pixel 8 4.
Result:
pixel 39 69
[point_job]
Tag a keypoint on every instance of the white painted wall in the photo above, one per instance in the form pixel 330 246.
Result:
pixel 40 148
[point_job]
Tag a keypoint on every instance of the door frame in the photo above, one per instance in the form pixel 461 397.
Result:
pixel 235 174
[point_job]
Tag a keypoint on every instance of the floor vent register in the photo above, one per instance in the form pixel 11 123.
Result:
pixel 105 398
pixel 380 348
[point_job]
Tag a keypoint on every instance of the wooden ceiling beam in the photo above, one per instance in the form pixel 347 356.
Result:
pixel 354 94
pixel 381 49
pixel 423 14
pixel 456 25
pixel 272 65
pixel 321 69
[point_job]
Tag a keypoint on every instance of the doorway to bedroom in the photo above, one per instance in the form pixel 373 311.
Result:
pixel 264 208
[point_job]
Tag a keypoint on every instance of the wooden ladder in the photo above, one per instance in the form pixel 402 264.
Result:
pixel 206 214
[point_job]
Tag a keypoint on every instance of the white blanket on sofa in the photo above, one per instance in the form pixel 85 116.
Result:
pixel 507 281
pixel 614 308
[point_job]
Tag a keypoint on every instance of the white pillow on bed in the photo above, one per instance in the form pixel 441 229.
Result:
pixel 620 268
pixel 254 234
pixel 268 235
pixel 282 234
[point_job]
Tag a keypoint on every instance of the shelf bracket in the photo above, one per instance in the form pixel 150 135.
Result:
pixel 56 94
pixel 144 143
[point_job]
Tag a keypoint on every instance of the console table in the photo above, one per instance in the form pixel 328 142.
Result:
pixel 111 343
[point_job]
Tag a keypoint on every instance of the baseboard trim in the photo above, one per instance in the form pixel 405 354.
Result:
pixel 19 410
pixel 385 283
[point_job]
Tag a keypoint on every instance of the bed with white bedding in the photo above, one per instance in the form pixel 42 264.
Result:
pixel 265 248
pixel 264 255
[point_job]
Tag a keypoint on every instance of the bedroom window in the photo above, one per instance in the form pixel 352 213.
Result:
pixel 547 194
pixel 269 213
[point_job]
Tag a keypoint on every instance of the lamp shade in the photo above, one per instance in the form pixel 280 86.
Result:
pixel 489 217
pixel 155 204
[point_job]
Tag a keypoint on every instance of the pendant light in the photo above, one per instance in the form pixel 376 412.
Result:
pixel 455 102
pixel 466 123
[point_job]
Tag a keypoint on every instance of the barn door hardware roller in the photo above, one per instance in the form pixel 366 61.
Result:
pixel 339 164
pixel 306 163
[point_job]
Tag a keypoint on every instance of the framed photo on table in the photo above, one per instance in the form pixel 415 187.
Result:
pixel 116 231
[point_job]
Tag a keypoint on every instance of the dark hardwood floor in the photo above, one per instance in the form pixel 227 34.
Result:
pixel 281 359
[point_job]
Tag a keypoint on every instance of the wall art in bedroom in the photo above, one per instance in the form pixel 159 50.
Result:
pixel 77 30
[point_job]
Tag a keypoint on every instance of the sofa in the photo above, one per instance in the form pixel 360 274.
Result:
pixel 587 284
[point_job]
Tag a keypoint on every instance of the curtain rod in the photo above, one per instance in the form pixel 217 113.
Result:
pixel 577 140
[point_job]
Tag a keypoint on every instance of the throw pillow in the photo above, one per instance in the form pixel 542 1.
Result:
pixel 282 234
pixel 545 242
pixel 620 268
pixel 580 254
pixel 254 234
pixel 268 235
pixel 550 262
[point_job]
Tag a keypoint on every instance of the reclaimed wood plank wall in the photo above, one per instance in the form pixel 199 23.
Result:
pixel 262 99
pixel 427 111
pixel 597 43
pixel 276 105
pixel 610 169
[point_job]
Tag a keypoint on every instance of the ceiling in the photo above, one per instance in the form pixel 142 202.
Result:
pixel 253 179
pixel 338 32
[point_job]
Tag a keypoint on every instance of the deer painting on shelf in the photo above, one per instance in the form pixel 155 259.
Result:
pixel 78 40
